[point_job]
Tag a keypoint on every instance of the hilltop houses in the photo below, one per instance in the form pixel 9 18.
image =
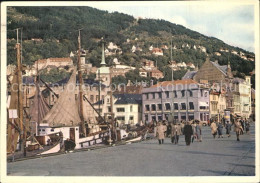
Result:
pixel 157 51
pixel 56 62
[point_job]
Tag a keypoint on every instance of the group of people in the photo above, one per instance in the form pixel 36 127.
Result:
pixel 240 126
pixel 192 130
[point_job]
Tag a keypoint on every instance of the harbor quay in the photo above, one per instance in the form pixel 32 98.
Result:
pixel 211 157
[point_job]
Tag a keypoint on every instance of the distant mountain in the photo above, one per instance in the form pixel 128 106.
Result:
pixel 52 32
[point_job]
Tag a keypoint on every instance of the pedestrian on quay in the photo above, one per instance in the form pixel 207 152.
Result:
pixel 194 136
pixel 220 128
pixel 198 131
pixel 228 128
pixel 213 127
pixel 175 133
pixel 187 131
pixel 241 123
pixel 247 127
pixel 169 129
pixel 238 128
pixel 160 132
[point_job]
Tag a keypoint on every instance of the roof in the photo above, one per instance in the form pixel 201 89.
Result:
pixel 222 68
pixel 128 98
pixel 189 75
pixel 157 50
pixel 156 71
pixel 130 89
pixel 86 82
pixel 125 99
pixel 238 80
pixel 177 82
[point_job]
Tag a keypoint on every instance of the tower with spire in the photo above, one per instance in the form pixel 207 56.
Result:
pixel 103 73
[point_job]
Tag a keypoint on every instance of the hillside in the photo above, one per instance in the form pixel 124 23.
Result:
pixel 52 32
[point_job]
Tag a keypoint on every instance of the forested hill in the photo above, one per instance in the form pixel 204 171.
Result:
pixel 52 32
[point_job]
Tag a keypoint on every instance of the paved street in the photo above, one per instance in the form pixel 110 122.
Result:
pixel 211 157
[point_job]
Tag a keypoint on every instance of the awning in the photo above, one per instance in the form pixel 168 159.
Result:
pixel 203 104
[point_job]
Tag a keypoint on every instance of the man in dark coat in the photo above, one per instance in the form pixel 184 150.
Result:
pixel 228 128
pixel 188 132
pixel 220 127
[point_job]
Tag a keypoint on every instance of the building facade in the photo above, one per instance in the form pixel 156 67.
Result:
pixel 183 99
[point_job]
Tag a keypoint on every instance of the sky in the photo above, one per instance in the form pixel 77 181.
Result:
pixel 233 22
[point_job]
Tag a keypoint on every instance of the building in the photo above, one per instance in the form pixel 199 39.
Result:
pixel 157 51
pixel 148 64
pixel 213 72
pixel 217 104
pixel 57 62
pixel 243 99
pixel 185 99
pixel 103 73
pixel 127 108
pixel 155 73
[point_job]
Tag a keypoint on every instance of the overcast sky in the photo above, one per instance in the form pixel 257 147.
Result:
pixel 232 23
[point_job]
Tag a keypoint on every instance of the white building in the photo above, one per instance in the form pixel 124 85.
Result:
pixel 127 108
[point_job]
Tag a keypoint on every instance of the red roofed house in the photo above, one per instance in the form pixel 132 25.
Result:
pixel 157 51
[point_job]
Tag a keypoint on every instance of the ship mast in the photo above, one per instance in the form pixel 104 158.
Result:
pixel 83 128
pixel 20 96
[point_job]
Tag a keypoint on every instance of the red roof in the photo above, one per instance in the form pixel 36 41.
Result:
pixel 167 83
pixel 156 50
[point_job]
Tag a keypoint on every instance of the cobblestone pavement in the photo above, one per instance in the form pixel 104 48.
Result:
pixel 211 157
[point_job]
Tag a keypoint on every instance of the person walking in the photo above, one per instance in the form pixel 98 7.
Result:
pixel 160 131
pixel 213 127
pixel 238 128
pixel 175 133
pixel 194 136
pixel 187 131
pixel 198 132
pixel 220 128
pixel 247 127
pixel 228 128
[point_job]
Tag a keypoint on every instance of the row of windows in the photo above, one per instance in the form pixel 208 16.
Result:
pixel 167 106
pixel 167 94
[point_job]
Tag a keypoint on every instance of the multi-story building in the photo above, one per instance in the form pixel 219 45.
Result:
pixel 57 62
pixel 183 99
pixel 126 108
pixel 217 103
pixel 242 104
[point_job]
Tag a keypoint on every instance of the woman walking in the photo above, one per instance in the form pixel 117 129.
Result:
pixel 187 131
pixel 160 129
pixel 238 128
pixel 213 127
pixel 220 128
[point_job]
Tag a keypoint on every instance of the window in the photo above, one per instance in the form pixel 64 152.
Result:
pixel 191 105
pixel 131 108
pixel 76 96
pixel 146 96
pixel 175 94
pixel 201 93
pixel 159 106
pixel 159 95
pixel 131 118
pixel 52 130
pixel 176 106
pixel 108 101
pixel 109 109
pixel 159 117
pixel 91 98
pixel 183 116
pixel 153 95
pixel 203 107
pixel 191 94
pixel 153 107
pixel 167 94
pixel 120 118
pixel 121 109
pixel 147 108
pixel 97 98
pixel 167 106
pixel 183 106
pixel 146 117
pixel 183 93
